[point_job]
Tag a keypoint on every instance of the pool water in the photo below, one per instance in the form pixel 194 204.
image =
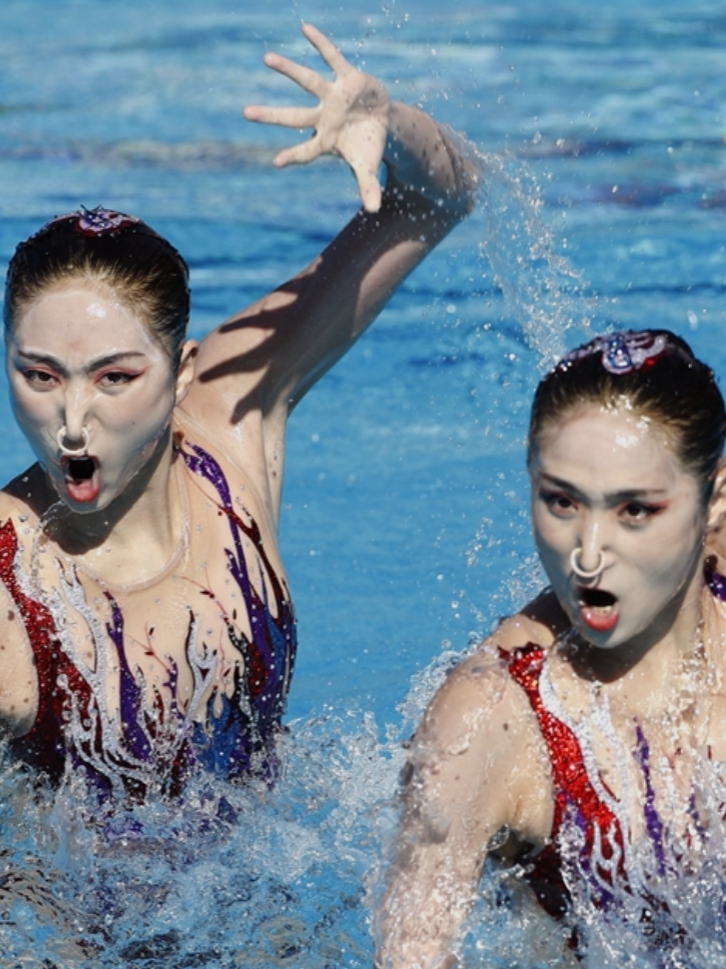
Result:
pixel 405 527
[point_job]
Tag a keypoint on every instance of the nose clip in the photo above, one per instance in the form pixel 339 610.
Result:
pixel 578 569
pixel 73 452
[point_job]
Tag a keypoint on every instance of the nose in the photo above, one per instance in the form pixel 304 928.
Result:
pixel 75 418
pixel 590 556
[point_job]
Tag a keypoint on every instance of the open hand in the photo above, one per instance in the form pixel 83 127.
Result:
pixel 350 120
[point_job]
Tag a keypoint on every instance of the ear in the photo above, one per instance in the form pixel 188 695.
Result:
pixel 185 373
pixel 716 514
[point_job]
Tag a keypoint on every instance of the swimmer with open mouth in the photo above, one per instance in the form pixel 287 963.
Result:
pixel 159 461
pixel 81 471
pixel 584 728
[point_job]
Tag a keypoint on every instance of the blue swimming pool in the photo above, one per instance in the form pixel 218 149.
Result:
pixel 405 527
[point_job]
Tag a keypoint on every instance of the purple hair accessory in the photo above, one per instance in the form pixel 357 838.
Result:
pixel 623 352
pixel 98 221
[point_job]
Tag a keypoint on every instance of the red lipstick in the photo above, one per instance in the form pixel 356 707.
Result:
pixel 598 608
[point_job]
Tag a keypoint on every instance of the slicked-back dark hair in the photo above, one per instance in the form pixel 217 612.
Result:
pixel 656 373
pixel 145 271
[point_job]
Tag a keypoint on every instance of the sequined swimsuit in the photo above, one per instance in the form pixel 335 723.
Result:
pixel 602 851
pixel 143 747
pixel 576 799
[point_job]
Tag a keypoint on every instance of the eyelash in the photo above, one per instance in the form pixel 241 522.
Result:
pixel 551 499
pixel 109 380
pixel 639 511
pixel 40 378
pixel 125 378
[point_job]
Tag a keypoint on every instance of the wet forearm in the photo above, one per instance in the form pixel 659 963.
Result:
pixel 435 163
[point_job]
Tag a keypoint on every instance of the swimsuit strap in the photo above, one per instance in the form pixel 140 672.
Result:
pixel 715 582
pixel 576 799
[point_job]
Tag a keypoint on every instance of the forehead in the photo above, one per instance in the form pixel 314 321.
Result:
pixel 80 317
pixel 608 449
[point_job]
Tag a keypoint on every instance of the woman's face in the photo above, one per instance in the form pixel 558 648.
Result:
pixel 608 481
pixel 79 358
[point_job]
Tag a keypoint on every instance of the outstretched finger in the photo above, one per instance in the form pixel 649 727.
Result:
pixel 299 154
pixel 286 117
pixel 327 50
pixel 306 77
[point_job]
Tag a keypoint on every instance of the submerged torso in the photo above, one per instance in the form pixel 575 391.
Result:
pixel 637 800
pixel 138 683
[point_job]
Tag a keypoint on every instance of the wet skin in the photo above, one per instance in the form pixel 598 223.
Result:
pixel 608 481
pixel 639 683
pixel 79 358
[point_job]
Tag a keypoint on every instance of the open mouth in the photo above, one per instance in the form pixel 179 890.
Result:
pixel 597 598
pixel 82 478
pixel 80 469
pixel 598 608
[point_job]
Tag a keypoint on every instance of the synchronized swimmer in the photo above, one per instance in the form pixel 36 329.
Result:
pixel 585 738
pixel 148 628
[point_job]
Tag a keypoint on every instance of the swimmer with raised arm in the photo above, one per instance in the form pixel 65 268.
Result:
pixel 584 738
pixel 147 623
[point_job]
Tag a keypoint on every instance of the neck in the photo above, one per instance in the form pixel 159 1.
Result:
pixel 148 516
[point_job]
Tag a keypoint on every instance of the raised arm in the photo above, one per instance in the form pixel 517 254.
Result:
pixel 268 356
pixel 467 778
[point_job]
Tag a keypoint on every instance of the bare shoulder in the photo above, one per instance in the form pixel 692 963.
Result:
pixel 539 623
pixel 480 725
pixel 231 410
pixel 480 700
pixel 234 359
pixel 26 497
pixel 470 701
pixel 247 472
pixel 482 680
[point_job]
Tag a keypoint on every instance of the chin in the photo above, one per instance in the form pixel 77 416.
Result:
pixel 80 507
pixel 605 640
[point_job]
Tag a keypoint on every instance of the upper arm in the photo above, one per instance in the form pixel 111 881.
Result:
pixel 465 781
pixel 268 356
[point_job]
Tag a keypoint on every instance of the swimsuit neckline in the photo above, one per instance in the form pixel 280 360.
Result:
pixel 177 556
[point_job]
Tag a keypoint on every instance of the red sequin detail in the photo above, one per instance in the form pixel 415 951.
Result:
pixel 44 745
pixel 575 796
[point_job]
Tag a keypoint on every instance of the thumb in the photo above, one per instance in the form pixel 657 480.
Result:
pixel 369 188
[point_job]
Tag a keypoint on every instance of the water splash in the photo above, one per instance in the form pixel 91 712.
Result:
pixel 655 899
pixel 543 291
pixel 230 875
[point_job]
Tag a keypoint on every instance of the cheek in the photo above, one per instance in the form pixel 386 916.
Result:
pixel 32 411
pixel 551 536
pixel 554 556
pixel 667 560
pixel 141 416
pixel 668 564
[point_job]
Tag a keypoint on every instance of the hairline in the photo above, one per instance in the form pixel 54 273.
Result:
pixel 673 436
pixel 102 278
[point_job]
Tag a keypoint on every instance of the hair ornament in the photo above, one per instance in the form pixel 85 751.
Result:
pixel 97 221
pixel 622 353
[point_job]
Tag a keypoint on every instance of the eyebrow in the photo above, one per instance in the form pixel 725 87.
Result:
pixel 613 497
pixel 97 364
